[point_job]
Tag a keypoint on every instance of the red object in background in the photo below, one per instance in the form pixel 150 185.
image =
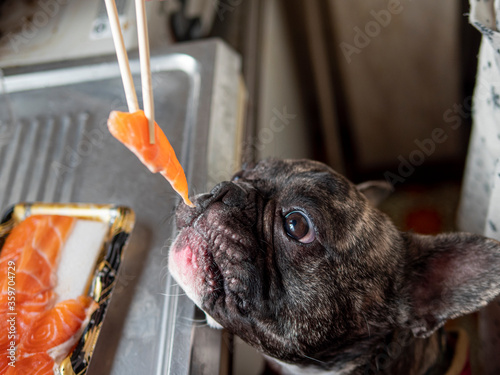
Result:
pixel 467 369
pixel 424 221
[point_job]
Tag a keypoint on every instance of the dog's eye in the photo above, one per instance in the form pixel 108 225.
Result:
pixel 298 226
pixel 237 176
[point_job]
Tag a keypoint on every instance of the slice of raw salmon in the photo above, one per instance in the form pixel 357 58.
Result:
pixel 4 361
pixel 29 311
pixel 132 130
pixel 25 315
pixel 58 326
pixel 37 264
pixel 45 333
pixel 21 237
pixel 16 241
pixel 36 364
pixel 6 335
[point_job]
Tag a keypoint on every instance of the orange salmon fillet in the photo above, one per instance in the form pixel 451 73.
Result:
pixel 132 130
pixel 4 333
pixel 15 242
pixel 45 333
pixel 37 263
pixel 57 326
pixel 29 311
pixel 36 364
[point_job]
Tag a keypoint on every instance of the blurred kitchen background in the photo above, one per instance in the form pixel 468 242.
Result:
pixel 361 82
pixel 350 83
pixel 378 90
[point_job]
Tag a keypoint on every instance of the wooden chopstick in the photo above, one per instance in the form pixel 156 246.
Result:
pixel 121 54
pixel 144 58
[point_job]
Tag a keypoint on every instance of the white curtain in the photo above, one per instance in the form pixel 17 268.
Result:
pixel 479 210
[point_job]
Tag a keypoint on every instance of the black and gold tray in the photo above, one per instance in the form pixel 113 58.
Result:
pixel 101 281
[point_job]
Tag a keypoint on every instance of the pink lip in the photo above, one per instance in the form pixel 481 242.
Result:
pixel 184 258
pixel 186 263
pixel 192 264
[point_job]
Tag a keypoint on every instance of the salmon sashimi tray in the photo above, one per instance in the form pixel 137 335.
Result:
pixel 58 267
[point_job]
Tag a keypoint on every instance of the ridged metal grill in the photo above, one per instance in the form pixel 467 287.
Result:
pixel 39 159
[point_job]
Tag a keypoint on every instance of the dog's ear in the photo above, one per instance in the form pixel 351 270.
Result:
pixel 375 191
pixel 449 275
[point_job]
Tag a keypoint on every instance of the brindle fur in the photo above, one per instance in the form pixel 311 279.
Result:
pixel 362 298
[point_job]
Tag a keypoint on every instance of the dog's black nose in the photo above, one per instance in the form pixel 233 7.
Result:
pixel 231 194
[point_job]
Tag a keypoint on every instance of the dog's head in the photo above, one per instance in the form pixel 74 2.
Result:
pixel 293 258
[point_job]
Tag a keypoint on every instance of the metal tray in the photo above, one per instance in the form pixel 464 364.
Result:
pixel 101 281
pixel 55 147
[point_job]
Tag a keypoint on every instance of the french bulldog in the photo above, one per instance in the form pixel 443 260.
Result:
pixel 294 259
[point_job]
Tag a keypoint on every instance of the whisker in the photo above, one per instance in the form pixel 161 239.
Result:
pixel 314 359
pixel 196 322
pixel 172 294
pixel 192 320
pixel 190 324
pixel 367 325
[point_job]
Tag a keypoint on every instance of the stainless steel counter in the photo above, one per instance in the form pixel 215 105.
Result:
pixel 54 146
